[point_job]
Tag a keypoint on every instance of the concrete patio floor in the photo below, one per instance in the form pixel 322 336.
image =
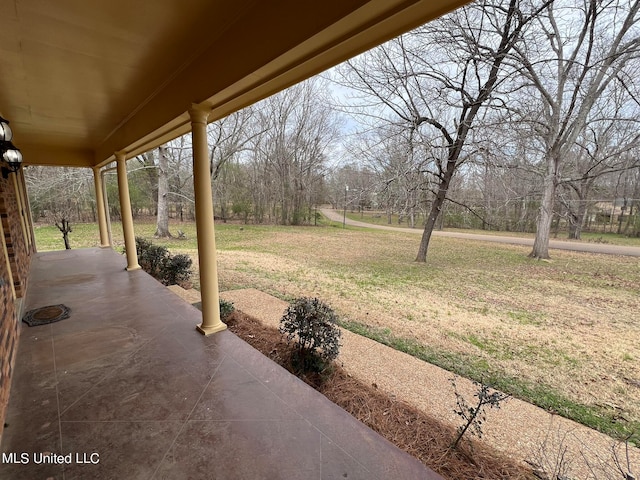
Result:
pixel 127 389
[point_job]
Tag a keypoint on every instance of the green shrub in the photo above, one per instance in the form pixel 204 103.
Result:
pixel 154 260
pixel 161 265
pixel 226 309
pixel 142 244
pixel 177 270
pixel 311 324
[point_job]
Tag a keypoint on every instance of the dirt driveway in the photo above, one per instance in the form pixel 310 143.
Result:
pixel 336 216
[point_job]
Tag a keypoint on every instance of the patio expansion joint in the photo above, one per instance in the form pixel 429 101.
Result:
pixel 339 447
pixel 187 419
pixel 143 420
pixel 301 416
pixel 55 376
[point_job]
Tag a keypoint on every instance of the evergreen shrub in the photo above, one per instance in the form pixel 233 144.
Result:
pixel 311 324
pixel 161 265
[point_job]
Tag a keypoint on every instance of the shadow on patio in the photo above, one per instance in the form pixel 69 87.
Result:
pixel 128 378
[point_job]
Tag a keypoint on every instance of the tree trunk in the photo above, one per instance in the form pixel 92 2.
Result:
pixel 621 216
pixel 629 220
pixel 577 220
pixel 65 228
pixel 65 237
pixel 545 216
pixel 575 226
pixel 162 224
pixel 436 207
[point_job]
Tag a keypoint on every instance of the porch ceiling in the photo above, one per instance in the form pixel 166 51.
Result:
pixel 80 80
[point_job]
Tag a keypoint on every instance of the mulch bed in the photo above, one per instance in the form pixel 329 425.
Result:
pixel 407 427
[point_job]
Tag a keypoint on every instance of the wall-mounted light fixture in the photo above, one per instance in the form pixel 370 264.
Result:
pixel 8 152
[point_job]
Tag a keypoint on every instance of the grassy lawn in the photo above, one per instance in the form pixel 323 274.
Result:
pixel 561 334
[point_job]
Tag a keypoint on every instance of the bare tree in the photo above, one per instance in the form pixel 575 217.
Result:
pixel 179 152
pixel 228 139
pixel 162 223
pixel 436 80
pixel 362 182
pixel 400 172
pixel 300 130
pixel 628 190
pixel 61 196
pixel 143 183
pixel 571 60
pixel 230 136
pixel 604 148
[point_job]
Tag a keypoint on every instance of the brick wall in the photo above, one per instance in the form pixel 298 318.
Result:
pixel 19 259
pixel 13 235
pixel 8 336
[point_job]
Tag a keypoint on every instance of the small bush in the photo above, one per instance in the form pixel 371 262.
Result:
pixel 142 247
pixel 150 257
pixel 311 324
pixel 161 265
pixel 177 270
pixel 473 415
pixel 154 260
pixel 226 309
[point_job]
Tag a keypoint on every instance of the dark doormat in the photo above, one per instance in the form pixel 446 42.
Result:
pixel 45 315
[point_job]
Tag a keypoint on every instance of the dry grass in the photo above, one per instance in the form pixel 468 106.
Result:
pixel 571 324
